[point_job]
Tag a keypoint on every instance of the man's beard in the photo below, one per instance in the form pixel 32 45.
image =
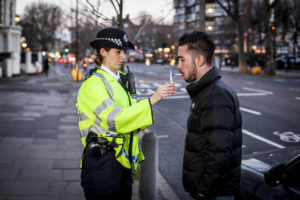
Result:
pixel 193 75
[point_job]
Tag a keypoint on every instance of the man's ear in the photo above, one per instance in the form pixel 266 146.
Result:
pixel 199 61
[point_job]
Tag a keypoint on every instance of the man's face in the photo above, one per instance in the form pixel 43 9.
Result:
pixel 186 64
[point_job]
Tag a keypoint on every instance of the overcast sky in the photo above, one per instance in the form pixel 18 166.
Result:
pixel 156 8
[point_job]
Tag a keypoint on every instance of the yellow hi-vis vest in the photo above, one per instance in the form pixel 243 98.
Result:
pixel 104 108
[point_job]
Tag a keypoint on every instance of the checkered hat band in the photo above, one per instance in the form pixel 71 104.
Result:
pixel 116 41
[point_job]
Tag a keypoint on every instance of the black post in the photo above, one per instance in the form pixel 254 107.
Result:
pixel 149 168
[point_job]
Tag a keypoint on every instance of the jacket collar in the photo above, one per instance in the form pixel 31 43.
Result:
pixel 208 78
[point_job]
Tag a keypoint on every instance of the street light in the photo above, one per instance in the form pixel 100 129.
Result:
pixel 17 19
pixel 24 45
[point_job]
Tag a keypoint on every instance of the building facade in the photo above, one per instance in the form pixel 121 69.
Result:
pixel 193 15
pixel 204 15
pixel 10 35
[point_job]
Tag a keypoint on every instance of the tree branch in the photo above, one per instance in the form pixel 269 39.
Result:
pixel 112 3
pixel 227 9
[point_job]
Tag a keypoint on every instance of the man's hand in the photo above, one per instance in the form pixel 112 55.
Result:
pixel 161 92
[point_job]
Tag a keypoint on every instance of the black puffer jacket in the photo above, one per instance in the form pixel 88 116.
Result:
pixel 212 156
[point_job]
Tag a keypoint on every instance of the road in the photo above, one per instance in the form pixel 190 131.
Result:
pixel 270 110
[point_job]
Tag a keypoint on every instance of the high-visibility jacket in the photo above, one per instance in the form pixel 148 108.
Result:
pixel 106 108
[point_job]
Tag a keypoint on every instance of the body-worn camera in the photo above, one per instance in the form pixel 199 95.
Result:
pixel 131 83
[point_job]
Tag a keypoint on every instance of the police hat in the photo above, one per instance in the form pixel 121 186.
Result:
pixel 111 38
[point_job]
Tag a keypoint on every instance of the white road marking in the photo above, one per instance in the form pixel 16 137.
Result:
pixel 294 89
pixel 288 136
pixel 278 80
pixel 250 111
pixel 249 82
pixel 156 84
pixel 178 97
pixel 257 90
pixel 183 89
pixel 143 85
pixel 250 94
pixel 263 139
pixel 298 98
pixel 146 93
pixel 162 136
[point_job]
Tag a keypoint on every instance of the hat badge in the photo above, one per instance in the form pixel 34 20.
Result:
pixel 125 38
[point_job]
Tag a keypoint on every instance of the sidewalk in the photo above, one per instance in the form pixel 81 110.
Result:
pixel 40 145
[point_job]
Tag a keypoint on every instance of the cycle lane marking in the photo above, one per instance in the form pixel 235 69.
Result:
pixel 288 136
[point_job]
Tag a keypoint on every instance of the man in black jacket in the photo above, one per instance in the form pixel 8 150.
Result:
pixel 212 155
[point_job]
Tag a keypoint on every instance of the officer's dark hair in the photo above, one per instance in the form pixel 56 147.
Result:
pixel 99 58
pixel 199 43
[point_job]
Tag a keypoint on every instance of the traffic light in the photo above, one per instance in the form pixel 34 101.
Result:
pixel 66 50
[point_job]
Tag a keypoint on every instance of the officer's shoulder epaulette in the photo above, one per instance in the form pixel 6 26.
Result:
pixel 90 73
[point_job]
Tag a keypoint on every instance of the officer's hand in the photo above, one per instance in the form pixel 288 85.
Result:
pixel 161 92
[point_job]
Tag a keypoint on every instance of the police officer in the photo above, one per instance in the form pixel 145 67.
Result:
pixel 110 119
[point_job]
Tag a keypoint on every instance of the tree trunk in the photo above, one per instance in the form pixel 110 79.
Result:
pixel 202 16
pixel 270 69
pixel 121 14
pixel 242 57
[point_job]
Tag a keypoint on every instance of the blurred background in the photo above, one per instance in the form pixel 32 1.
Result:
pixel 248 33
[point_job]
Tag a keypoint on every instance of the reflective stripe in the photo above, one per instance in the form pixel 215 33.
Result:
pixel 105 104
pixel 95 129
pixel 84 132
pixel 97 121
pixel 107 85
pixel 111 118
pixel 134 158
pixel 82 117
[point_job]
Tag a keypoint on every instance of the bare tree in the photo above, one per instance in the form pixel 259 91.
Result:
pixel 232 8
pixel 39 23
pixel 287 19
pixel 268 8
pixel 117 5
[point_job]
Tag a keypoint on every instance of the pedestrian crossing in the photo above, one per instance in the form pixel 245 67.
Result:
pixel 145 90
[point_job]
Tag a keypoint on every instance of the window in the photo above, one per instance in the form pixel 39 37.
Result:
pixel 209 26
pixel 210 9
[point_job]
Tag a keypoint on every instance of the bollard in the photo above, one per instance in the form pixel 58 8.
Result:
pixel 149 167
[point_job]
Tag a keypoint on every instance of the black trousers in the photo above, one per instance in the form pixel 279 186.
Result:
pixel 106 179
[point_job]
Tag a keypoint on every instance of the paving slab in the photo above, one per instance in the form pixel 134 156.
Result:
pixel 30 197
pixel 66 163
pixel 72 175
pixel 40 175
pixel 25 187
pixel 30 163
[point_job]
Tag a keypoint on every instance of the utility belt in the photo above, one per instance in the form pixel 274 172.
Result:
pixel 97 147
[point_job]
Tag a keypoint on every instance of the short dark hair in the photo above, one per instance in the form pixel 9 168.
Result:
pixel 199 43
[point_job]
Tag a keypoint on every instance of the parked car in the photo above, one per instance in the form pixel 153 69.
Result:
pixel 271 176
pixel 283 60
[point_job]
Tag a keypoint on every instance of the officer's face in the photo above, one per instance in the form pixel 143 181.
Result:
pixel 113 59
pixel 186 64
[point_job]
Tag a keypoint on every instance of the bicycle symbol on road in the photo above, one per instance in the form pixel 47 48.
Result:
pixel 288 136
